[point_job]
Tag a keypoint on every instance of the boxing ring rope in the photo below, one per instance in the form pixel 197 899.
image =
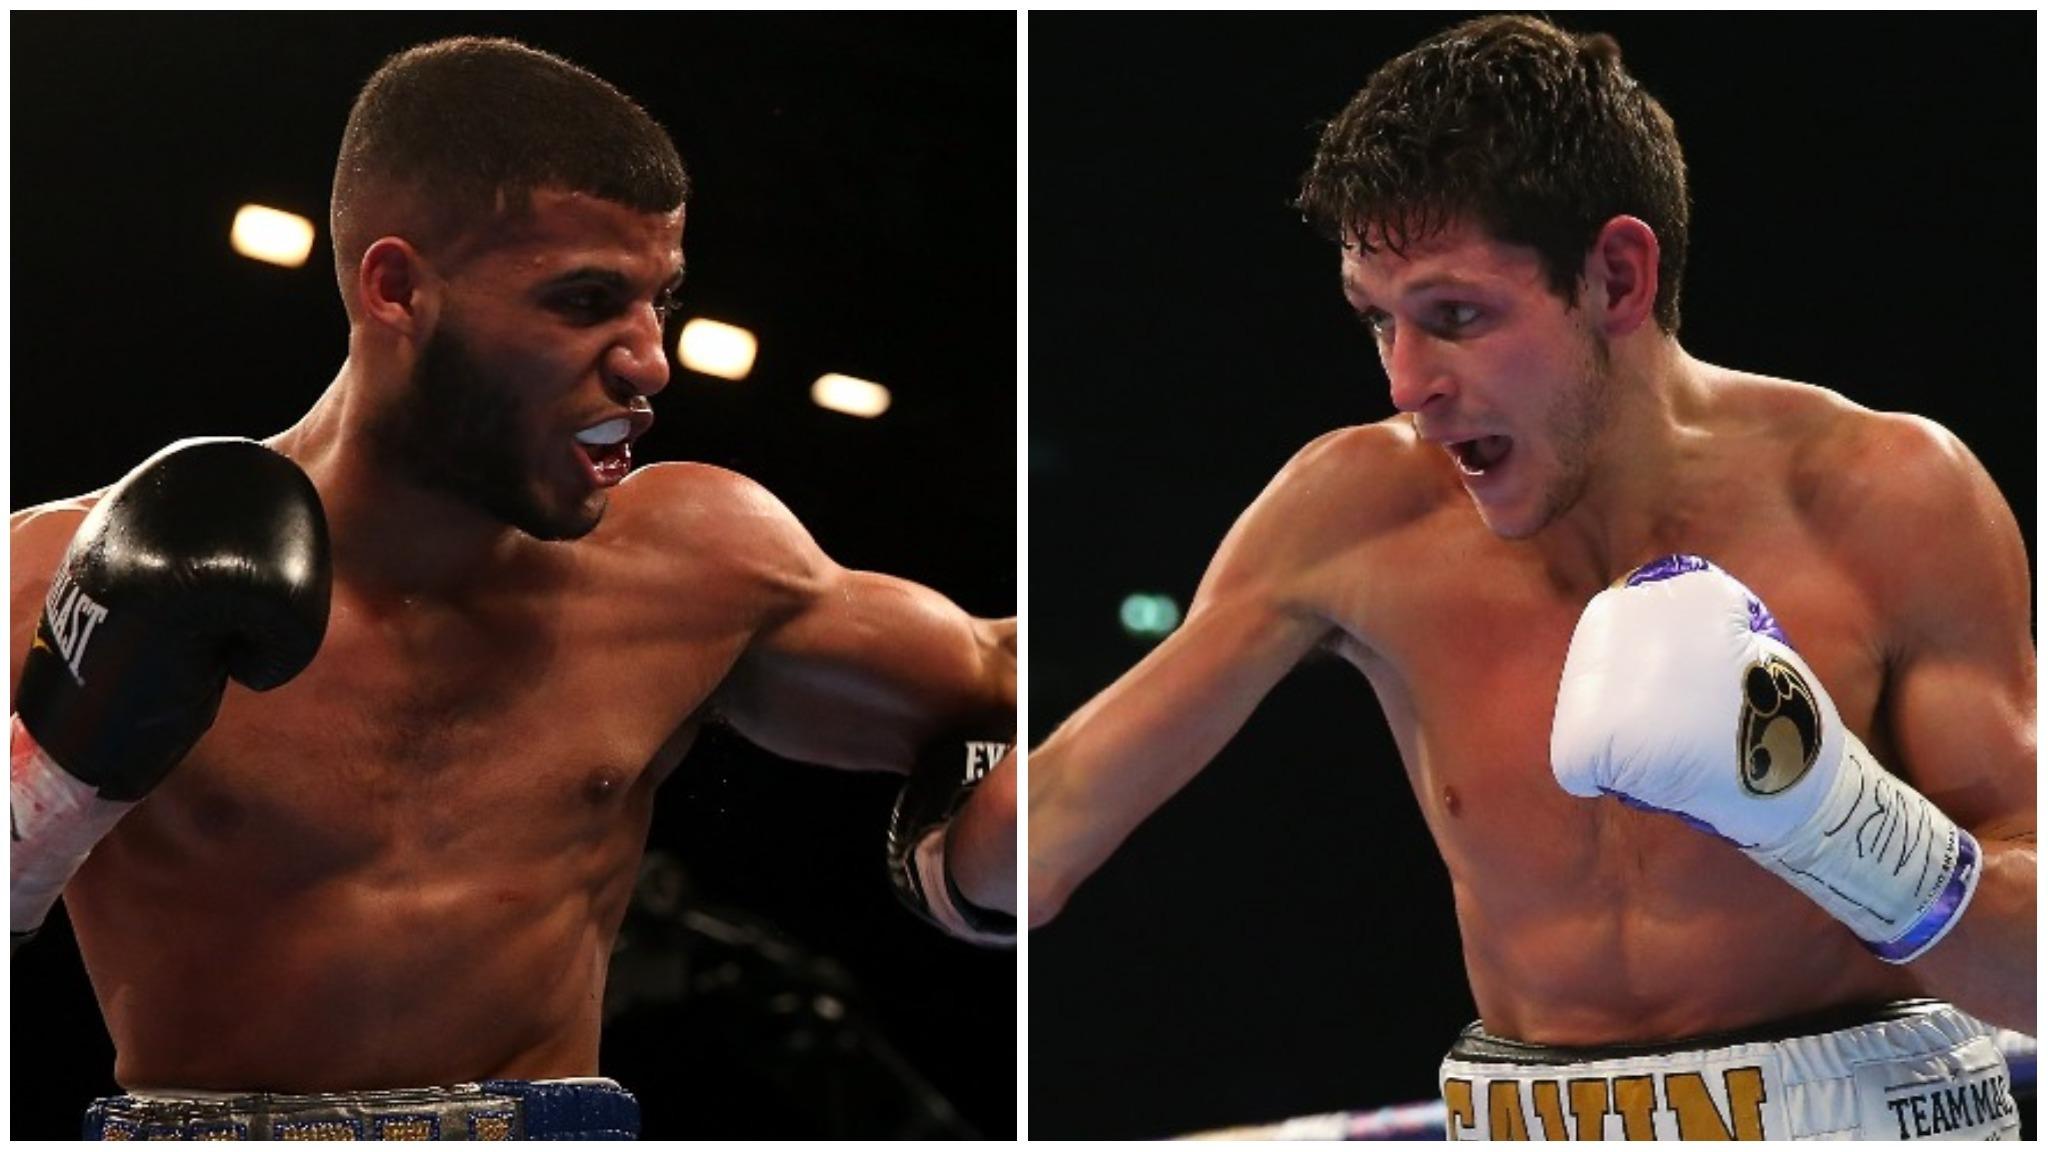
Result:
pixel 1424 1119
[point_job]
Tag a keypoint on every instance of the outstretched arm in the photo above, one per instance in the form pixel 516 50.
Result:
pixel 863 670
pixel 859 670
pixel 1257 613
pixel 1140 740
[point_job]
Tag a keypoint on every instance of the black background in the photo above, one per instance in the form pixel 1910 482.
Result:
pixel 854 204
pixel 1278 940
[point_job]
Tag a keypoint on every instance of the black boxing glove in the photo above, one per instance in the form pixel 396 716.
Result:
pixel 946 774
pixel 209 560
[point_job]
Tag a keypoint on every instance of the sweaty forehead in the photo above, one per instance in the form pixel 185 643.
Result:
pixel 565 229
pixel 1459 254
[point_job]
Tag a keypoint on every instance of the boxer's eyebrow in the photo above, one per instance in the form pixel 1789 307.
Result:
pixel 610 278
pixel 607 277
pixel 1361 300
pixel 1441 280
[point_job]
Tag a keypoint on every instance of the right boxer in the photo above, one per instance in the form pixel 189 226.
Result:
pixel 1670 814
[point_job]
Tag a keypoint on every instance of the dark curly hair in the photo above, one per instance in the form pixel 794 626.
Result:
pixel 1537 135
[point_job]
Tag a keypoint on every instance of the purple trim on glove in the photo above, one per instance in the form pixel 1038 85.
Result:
pixel 1679 563
pixel 1643 806
pixel 1761 620
pixel 1935 920
pixel 1665 567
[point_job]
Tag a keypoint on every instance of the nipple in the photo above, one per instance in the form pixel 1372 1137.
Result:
pixel 600 785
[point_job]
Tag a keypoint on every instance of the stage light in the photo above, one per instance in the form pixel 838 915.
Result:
pixel 722 350
pixel 1149 616
pixel 272 236
pixel 850 394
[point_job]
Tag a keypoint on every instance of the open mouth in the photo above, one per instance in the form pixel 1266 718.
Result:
pixel 608 449
pixel 1479 456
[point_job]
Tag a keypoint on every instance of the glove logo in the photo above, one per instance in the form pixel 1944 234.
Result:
pixel 69 616
pixel 1780 731
pixel 982 756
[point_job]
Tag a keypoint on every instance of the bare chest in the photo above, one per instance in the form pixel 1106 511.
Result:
pixel 519 727
pixel 1467 648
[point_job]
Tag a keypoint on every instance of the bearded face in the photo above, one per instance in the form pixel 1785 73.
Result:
pixel 473 434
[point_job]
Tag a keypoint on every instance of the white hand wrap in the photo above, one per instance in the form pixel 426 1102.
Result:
pixel 57 819
pixel 941 897
pixel 1667 666
pixel 947 773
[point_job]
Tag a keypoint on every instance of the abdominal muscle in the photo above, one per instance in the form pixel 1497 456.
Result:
pixel 262 965
pixel 1585 922
pixel 1649 937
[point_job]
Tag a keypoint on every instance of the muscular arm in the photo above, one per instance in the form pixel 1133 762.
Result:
pixel 859 670
pixel 1961 700
pixel 1140 740
pixel 866 669
pixel 1256 614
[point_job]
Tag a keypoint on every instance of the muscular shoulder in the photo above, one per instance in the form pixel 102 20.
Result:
pixel 35 521
pixel 1846 466
pixel 37 537
pixel 1345 490
pixel 1874 479
pixel 1907 507
pixel 718 525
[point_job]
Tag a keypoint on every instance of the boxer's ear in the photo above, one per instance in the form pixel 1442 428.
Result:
pixel 396 288
pixel 1621 276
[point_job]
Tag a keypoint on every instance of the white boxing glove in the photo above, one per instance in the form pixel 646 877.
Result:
pixel 1681 694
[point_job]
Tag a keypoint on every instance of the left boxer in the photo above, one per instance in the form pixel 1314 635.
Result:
pixel 210 560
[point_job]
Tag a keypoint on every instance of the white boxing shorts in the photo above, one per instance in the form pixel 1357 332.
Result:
pixel 1913 1070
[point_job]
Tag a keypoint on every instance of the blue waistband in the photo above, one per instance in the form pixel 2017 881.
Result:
pixel 487 1110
